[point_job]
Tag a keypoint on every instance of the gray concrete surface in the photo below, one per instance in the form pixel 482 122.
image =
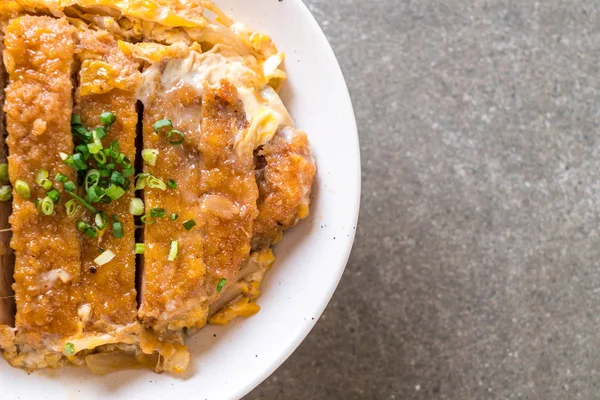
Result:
pixel 476 268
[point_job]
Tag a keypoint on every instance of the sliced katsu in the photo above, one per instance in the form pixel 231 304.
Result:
pixel 108 99
pixel 131 225
pixel 39 58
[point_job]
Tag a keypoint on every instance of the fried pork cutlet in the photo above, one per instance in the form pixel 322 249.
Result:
pixel 109 290
pixel 39 57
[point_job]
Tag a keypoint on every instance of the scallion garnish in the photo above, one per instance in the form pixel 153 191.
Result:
pixel 71 206
pixel 23 189
pixel 47 205
pixel 78 162
pixel 94 148
pixel 100 158
pixel 174 216
pixel 98 134
pixel 136 206
pixel 104 257
pixel 117 178
pixel 69 186
pixel 118 230
pixel 54 195
pixel 221 284
pixel 172 184
pixel 91 233
pixel 148 219
pixel 140 248
pixel 108 118
pixel 158 125
pixel 149 156
pixel 189 224
pixel 92 178
pixel 155 183
pixel 173 250
pixel 3 172
pixel 61 178
pixel 158 212
pixel 69 348
pixel 175 137
pixel 75 120
pixel 82 226
pixel 114 149
pixel 82 201
pixel 101 220
pixel 40 176
pixel 127 172
pixel 83 150
pixel 47 184
pixel 140 182
pixel 5 193
pixel 114 192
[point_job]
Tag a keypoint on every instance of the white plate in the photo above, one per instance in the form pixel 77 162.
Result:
pixel 310 259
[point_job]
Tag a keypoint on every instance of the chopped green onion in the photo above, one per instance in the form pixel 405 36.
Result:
pixel 100 158
pixel 107 118
pixel 3 172
pixel 148 219
pixel 47 184
pixel 127 172
pixel 104 257
pixel 75 120
pixel 60 178
pixel 136 206
pixel 118 230
pixel 140 182
pixel 174 250
pixel 79 162
pixel 120 158
pixel 189 224
pixel 158 212
pixel 91 232
pixel 172 184
pixel 5 193
pixel 95 194
pixel 140 248
pixel 221 284
pixel 40 176
pixel 94 148
pixel 83 150
pixel 117 178
pixel 54 195
pixel 175 137
pixel 156 183
pixel 71 206
pixel 82 226
pixel 101 220
pixel 69 186
pixel 158 125
pixel 47 205
pixel 174 216
pixel 22 189
pixel 150 156
pixel 126 163
pixel 114 192
pixel 114 149
pixel 82 201
pixel 98 134
pixel 92 178
pixel 69 348
pixel 81 132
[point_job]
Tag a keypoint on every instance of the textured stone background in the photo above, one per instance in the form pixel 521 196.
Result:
pixel 476 268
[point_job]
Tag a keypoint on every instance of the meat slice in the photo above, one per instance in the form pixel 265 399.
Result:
pixel 285 172
pixel 108 82
pixel 216 189
pixel 39 57
pixel 7 260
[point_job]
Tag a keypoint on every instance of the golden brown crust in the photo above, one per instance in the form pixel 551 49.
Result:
pixel 285 171
pixel 39 56
pixel 109 289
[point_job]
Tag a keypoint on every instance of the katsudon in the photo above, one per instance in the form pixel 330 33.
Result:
pixel 147 168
